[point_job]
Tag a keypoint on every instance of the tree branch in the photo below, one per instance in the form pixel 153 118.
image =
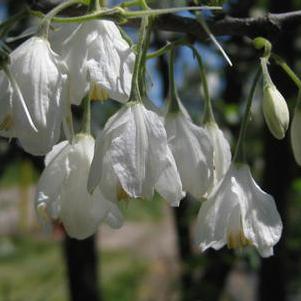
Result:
pixel 269 26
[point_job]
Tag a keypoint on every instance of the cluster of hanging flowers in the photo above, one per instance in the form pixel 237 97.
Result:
pixel 137 153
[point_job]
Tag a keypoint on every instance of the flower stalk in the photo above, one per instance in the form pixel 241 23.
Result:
pixel 173 93
pixel 239 155
pixel 95 5
pixel 86 123
pixel 262 43
pixel 141 50
pixel 208 112
pixel 119 14
pixel 168 47
pixel 285 67
pixel 45 24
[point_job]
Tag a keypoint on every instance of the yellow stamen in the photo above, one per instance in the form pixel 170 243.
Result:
pixel 98 93
pixel 7 123
pixel 237 240
pixel 122 195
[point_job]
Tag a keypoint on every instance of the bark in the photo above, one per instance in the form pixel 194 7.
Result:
pixel 81 260
pixel 270 25
pixel 182 223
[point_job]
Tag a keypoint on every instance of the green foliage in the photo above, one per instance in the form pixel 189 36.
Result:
pixel 33 269
pixel 121 275
pixel 143 210
pixel 18 172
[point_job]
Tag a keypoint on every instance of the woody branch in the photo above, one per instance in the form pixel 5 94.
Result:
pixel 270 25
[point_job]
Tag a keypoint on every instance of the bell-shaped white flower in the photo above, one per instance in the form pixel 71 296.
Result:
pixel 221 150
pixel 100 62
pixel 132 157
pixel 238 213
pixel 193 152
pixel 296 134
pixel 62 190
pixel 35 100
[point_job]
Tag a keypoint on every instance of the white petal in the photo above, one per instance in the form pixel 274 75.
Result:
pixel 59 34
pixel 56 150
pixel 81 213
pixel 139 153
pixel 215 213
pixel 261 221
pixel 114 216
pixel 99 55
pixel 63 190
pixel 169 185
pixel 49 187
pixel 112 62
pixel 42 90
pixel 237 207
pixel 193 152
pixel 101 171
pixel 76 57
pixel 221 150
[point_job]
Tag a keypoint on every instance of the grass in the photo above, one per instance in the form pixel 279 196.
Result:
pixel 33 270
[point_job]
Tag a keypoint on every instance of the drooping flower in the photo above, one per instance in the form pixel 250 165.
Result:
pixel 132 157
pixel 296 135
pixel 238 213
pixel 62 190
pixel 192 150
pixel 35 104
pixel 221 150
pixel 100 62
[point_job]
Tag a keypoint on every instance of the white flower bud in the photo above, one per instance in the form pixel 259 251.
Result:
pixel 296 135
pixel 275 111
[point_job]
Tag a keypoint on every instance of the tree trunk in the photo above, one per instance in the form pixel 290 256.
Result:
pixel 81 259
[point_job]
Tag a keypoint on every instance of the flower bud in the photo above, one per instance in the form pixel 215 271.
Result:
pixel 275 111
pixel 296 135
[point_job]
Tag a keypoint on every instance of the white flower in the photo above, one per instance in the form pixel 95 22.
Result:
pixel 221 150
pixel 132 157
pixel 239 213
pixel 193 152
pixel 100 62
pixel 275 111
pixel 62 190
pixel 296 135
pixel 35 105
